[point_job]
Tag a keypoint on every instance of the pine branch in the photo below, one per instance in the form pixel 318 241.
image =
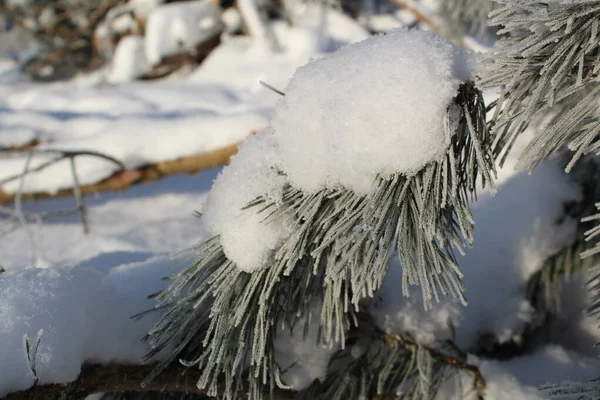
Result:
pixel 543 288
pixel 546 67
pixel 376 364
pixel 224 319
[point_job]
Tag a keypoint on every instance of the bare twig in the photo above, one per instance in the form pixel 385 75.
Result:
pixel 19 209
pixel 79 197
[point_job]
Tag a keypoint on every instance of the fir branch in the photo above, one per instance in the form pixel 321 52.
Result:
pixel 223 319
pixel 546 67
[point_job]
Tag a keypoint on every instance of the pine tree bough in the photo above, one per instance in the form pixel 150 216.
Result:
pixel 548 61
pixel 224 319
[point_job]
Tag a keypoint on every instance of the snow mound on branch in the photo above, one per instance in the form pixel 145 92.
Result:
pixel 246 237
pixel 375 107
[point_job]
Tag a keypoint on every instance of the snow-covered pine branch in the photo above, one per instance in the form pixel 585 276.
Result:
pixel 547 67
pixel 372 150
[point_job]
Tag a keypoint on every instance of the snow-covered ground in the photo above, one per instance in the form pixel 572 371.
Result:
pixel 82 289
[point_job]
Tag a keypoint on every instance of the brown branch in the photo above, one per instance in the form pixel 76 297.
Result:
pixel 62 155
pixel 96 378
pixel 148 173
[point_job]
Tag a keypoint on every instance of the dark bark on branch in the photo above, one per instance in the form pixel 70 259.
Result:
pixel 479 383
pixel 96 378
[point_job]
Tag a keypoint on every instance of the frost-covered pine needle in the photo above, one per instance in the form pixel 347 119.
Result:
pixel 547 67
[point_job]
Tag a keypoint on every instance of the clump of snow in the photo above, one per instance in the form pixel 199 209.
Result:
pixel 375 107
pixel 129 61
pixel 371 108
pixel 180 27
pixel 246 237
pixel 515 231
pixel 84 312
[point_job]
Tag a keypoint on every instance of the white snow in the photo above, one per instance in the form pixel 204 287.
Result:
pixel 180 27
pixel 241 62
pixel 143 8
pixel 252 19
pixel 520 377
pixel 375 107
pixel 84 313
pixel 246 238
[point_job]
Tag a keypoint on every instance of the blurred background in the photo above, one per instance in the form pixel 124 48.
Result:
pixel 99 96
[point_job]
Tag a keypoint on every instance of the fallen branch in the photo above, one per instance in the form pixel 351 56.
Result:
pixel 129 177
pixel 61 155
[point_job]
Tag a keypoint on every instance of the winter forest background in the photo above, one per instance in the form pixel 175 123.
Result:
pixel 447 151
